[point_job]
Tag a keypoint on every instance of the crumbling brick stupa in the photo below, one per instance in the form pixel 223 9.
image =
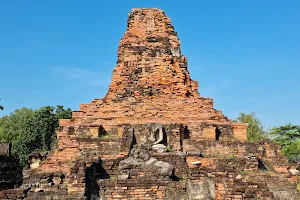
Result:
pixel 153 137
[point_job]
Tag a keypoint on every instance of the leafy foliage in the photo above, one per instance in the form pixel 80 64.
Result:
pixel 30 130
pixel 289 137
pixel 287 134
pixel 292 151
pixel 255 129
pixel 61 113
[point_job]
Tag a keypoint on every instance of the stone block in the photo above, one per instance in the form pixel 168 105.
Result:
pixel 209 133
pixel 64 122
pixel 240 131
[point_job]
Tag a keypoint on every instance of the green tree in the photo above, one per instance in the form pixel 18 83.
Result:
pixel 18 128
pixel 13 125
pixel 45 124
pixel 61 113
pixel 255 130
pixel 30 130
pixel 292 151
pixel 289 138
pixel 287 134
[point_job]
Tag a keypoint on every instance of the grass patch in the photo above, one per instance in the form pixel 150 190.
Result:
pixel 218 155
pixel 169 149
pixel 298 187
pixel 83 135
pixel 183 179
pixel 70 162
pixel 113 177
pixel 269 172
pixel 228 157
pixel 110 137
pixel 245 172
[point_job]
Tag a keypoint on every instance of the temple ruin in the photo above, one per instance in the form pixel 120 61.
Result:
pixel 154 137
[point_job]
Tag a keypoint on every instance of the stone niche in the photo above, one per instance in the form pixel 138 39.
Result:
pixel 149 133
pixel 213 132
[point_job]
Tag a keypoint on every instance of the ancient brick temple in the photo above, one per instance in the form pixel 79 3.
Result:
pixel 153 137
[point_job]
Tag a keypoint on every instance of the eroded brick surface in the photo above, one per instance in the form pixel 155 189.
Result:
pixel 151 82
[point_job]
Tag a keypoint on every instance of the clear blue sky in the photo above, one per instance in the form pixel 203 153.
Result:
pixel 245 54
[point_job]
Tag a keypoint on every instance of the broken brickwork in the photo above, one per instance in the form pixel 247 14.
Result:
pixel 10 168
pixel 154 137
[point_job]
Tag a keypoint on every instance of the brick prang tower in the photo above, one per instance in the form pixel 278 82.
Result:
pixel 151 87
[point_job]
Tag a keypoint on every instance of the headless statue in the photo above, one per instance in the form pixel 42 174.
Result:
pixel 160 137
